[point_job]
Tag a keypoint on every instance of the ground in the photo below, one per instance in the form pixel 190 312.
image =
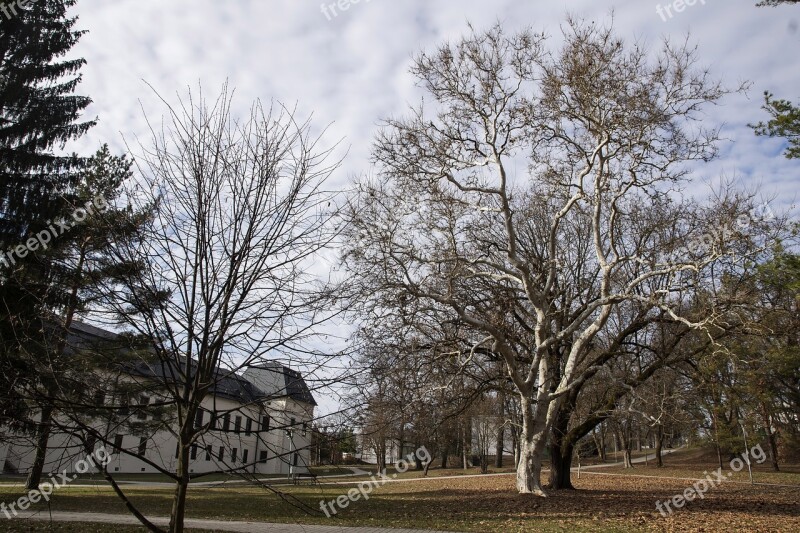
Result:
pixel 611 499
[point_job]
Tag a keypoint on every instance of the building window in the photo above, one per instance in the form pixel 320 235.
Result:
pixel 226 422
pixel 248 427
pixel 245 453
pixel 265 423
pixel 234 453
pixel 142 445
pixel 125 405
pixel 262 457
pixel 292 422
pixel 144 401
pixel 237 424
pixel 118 443
pixel 208 453
pixel 198 418
pixel 193 453
pixel 294 459
pixel 100 398
pixel 91 440
pixel 305 428
pixel 221 455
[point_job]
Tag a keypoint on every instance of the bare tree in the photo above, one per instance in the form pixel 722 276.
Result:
pixel 535 198
pixel 242 215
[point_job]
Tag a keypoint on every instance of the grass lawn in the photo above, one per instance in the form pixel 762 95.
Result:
pixel 482 504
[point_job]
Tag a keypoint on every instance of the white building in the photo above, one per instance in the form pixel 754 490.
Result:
pixel 258 422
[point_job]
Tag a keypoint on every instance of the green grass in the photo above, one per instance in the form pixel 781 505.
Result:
pixel 477 504
pixel 386 507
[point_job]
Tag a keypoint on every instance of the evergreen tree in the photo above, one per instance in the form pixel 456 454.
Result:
pixel 84 266
pixel 39 114
pixel 785 122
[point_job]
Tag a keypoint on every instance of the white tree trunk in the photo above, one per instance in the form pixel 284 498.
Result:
pixel 531 447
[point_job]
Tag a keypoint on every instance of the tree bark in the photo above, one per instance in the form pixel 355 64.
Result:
pixel 626 458
pixel 178 512
pixel 561 449
pixel 532 444
pixel 600 443
pixel 561 466
pixel 501 432
pixel 659 438
pixel 464 449
pixel 43 430
pixel 771 439
pixel 498 451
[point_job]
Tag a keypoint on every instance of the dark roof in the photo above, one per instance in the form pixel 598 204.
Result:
pixel 226 384
pixel 296 387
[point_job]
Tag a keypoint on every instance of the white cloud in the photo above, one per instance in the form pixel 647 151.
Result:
pixel 351 71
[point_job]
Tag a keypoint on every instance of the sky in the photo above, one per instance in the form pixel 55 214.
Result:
pixel 349 68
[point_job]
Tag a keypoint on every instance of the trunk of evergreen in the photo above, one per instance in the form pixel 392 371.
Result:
pixel 773 449
pixel 46 423
pixel 445 456
pixel 43 430
pixel 771 439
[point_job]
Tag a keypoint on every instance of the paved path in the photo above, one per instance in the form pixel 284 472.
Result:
pixel 216 525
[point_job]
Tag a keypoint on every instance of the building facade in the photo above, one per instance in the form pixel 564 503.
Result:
pixel 257 422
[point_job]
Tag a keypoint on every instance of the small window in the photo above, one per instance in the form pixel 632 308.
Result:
pixel 294 459
pixel 100 398
pixel 292 421
pixel 265 423
pixel 237 425
pixel 262 457
pixel 245 453
pixel 125 405
pixel 144 401
pixel 91 440
pixel 209 451
pixel 248 427
pixel 118 442
pixel 234 454
pixel 305 428
pixel 198 419
pixel 193 453
pixel 226 422
pixel 221 454
pixel 142 445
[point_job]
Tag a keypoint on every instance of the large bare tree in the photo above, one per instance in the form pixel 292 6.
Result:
pixel 535 193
